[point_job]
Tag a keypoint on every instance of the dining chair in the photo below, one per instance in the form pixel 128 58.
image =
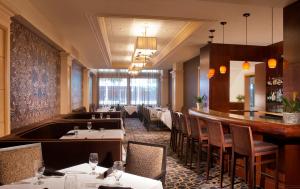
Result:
pixel 17 163
pixel 243 145
pixel 151 119
pixel 217 138
pixel 147 160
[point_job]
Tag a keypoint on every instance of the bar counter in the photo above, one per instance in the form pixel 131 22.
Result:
pixel 286 136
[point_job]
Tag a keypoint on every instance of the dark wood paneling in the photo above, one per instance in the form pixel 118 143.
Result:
pixel 190 77
pixel 291 31
pixel 215 55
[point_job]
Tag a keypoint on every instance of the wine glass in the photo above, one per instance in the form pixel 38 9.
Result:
pixel 118 169
pixel 93 116
pixel 76 128
pixel 89 126
pixel 39 169
pixel 93 161
pixel 70 182
pixel 101 115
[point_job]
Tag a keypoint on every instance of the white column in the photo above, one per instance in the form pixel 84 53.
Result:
pixel 177 88
pixel 85 88
pixel 4 71
pixel 164 85
pixel 65 83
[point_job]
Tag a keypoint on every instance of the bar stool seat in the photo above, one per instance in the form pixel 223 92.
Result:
pixel 260 146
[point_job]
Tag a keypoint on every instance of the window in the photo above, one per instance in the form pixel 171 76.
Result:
pixel 112 91
pixel 144 91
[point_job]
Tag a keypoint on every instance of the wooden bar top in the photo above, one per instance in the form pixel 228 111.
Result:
pixel 266 125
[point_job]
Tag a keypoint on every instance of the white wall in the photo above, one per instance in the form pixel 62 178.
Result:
pixel 237 78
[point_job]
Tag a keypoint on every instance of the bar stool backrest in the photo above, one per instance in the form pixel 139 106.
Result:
pixel 195 129
pixel 177 121
pixel 242 141
pixel 201 126
pixel 184 124
pixel 215 133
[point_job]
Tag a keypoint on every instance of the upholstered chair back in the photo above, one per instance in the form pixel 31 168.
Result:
pixel 17 163
pixel 147 160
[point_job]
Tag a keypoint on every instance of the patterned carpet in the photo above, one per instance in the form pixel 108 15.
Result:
pixel 178 175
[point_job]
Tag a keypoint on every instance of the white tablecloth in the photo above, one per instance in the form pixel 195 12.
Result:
pixel 96 134
pixel 87 181
pixel 106 109
pixel 130 109
pixel 163 114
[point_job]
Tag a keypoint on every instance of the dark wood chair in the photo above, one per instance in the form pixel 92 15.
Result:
pixel 184 135
pixel 173 131
pixel 177 131
pixel 245 146
pixel 217 138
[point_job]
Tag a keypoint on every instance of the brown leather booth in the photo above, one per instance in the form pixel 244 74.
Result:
pixel 59 153
pixel 88 115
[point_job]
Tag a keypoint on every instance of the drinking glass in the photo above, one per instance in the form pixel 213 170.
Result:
pixel 101 115
pixel 108 116
pixel 70 182
pixel 93 161
pixel 93 116
pixel 76 128
pixel 89 126
pixel 39 169
pixel 118 169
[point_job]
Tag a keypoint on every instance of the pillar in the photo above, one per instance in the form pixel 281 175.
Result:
pixel 177 88
pixel 85 88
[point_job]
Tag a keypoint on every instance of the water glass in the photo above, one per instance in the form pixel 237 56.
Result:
pixel 93 161
pixel 93 116
pixel 101 115
pixel 76 128
pixel 89 126
pixel 118 169
pixel 70 182
pixel 39 169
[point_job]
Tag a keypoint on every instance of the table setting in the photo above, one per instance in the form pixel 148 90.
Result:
pixel 85 176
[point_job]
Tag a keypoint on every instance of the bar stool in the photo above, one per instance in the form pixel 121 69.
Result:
pixel 216 138
pixel 245 146
pixel 198 136
pixel 183 134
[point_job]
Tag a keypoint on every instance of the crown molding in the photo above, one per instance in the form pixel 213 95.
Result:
pixel 181 36
pixel 98 28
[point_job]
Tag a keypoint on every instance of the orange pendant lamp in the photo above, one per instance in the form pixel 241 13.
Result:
pixel 223 68
pixel 246 65
pixel 272 62
pixel 211 73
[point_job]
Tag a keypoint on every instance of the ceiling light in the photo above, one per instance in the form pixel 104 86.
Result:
pixel 211 73
pixel 246 65
pixel 272 62
pixel 223 67
pixel 145 46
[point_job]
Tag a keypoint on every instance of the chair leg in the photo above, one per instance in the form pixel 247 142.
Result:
pixel 192 150
pixel 221 167
pixel 199 156
pixel 246 169
pixel 276 170
pixel 233 162
pixel 208 162
pixel 188 146
pixel 252 174
pixel 179 144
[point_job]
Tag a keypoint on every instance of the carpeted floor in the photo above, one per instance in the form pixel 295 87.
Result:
pixel 178 175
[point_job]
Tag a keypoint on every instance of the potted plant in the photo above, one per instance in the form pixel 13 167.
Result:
pixel 240 98
pixel 200 102
pixel 291 110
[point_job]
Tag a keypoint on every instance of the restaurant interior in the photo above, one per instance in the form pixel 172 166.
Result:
pixel 149 94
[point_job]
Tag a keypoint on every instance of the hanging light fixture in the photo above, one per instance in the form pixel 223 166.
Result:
pixel 223 68
pixel 145 46
pixel 272 62
pixel 246 65
pixel 211 73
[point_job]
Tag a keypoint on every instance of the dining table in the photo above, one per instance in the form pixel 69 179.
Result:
pixel 163 114
pixel 94 134
pixel 85 180
pixel 130 109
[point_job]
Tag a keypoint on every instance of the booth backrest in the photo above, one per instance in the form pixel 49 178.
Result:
pixel 88 115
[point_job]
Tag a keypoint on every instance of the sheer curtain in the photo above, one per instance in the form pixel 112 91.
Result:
pixel 145 88
pixel 118 87
pixel 113 87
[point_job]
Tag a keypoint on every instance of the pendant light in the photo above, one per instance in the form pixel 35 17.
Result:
pixel 272 62
pixel 246 65
pixel 211 73
pixel 223 68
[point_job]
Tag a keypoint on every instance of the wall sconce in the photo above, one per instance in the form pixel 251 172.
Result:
pixel 223 69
